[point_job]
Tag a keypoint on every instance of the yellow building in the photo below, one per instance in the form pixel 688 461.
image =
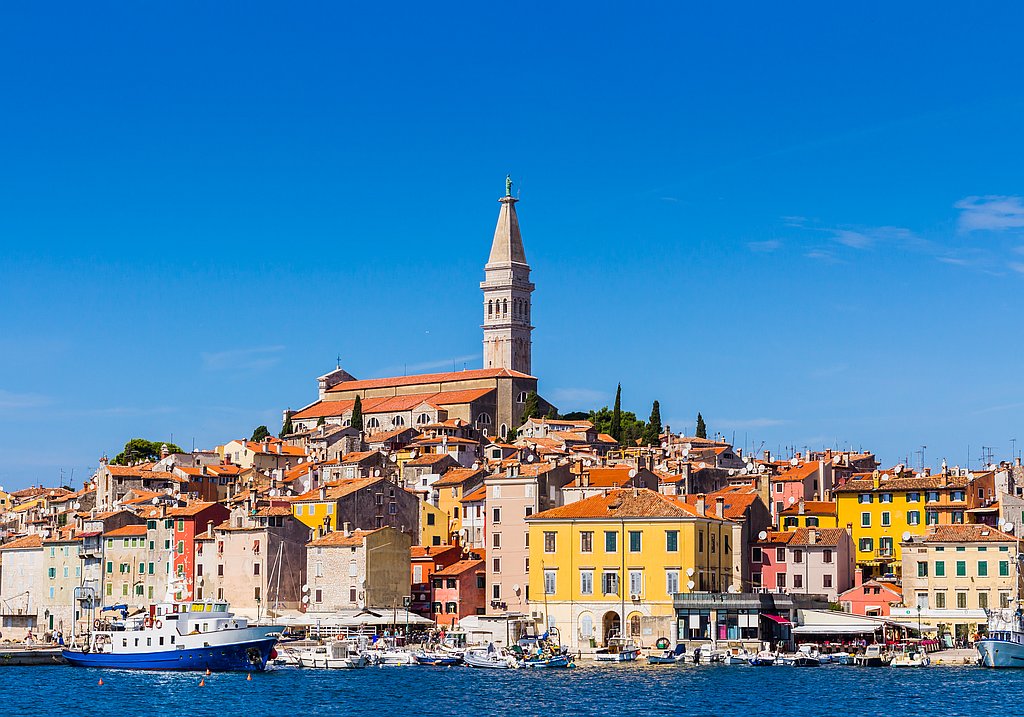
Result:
pixel 884 509
pixel 450 488
pixel 433 525
pixel 619 558
pixel 810 514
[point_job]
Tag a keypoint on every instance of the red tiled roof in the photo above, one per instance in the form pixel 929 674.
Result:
pixel 812 507
pixel 189 510
pixel 428 378
pixel 827 537
pixel 970 533
pixel 457 476
pixel 455 569
pixel 128 531
pixel 335 490
pixel 431 551
pixel 474 495
pixel 24 542
pixel 629 503
pixel 338 539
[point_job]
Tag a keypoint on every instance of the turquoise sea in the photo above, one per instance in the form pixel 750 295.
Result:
pixel 607 690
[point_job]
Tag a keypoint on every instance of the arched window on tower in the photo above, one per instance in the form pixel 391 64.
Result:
pixel 504 308
pixel 504 431
pixel 490 308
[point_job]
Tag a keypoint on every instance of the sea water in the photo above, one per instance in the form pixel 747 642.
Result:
pixel 600 690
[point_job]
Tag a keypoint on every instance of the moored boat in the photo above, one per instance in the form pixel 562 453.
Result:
pixel 764 658
pixel 339 655
pixel 491 658
pixel 191 635
pixel 1004 644
pixel 437 659
pixel 873 656
pixel 619 649
pixel 668 657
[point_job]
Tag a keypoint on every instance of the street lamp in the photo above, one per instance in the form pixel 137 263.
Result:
pixel 919 635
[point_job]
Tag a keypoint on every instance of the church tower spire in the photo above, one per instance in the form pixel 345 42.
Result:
pixel 507 293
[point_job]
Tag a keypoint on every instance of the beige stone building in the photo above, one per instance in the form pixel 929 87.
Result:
pixel 61 573
pixel 21 562
pixel 512 496
pixel 953 573
pixel 137 563
pixel 351 570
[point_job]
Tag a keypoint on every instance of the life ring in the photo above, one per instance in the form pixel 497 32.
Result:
pixel 662 643
pixel 96 624
pixel 157 624
pixel 148 622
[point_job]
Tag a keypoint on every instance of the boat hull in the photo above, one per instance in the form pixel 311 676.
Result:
pixel 244 656
pixel 1000 653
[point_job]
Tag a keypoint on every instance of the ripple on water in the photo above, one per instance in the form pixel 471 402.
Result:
pixel 605 690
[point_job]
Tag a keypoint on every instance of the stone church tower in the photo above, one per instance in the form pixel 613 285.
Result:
pixel 507 294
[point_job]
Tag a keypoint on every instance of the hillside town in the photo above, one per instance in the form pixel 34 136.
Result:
pixel 465 501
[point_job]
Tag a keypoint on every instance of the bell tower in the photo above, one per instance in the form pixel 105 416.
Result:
pixel 507 294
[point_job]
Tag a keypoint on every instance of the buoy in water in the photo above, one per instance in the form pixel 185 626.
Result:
pixel 100 683
pixel 248 678
pixel 208 673
pixel 202 683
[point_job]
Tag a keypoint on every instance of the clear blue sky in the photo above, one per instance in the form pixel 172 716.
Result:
pixel 806 225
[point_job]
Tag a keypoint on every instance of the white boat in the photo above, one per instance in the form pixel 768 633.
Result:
pixel 491 658
pixel 668 657
pixel 764 658
pixel 873 656
pixel 736 656
pixel 619 649
pixel 841 658
pixel 1004 644
pixel 339 655
pixel 911 657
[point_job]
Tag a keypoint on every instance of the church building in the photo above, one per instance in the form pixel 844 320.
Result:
pixel 491 398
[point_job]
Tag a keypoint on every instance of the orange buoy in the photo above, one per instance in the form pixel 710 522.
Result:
pixel 100 683
pixel 208 673
pixel 248 678
pixel 202 683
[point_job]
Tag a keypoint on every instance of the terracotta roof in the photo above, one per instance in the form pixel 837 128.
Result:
pixel 812 507
pixel 335 490
pixel 463 566
pixel 891 587
pixel 736 501
pixel 274 511
pixel 304 468
pixel 827 537
pixel 143 473
pixel 798 473
pixel 606 477
pixel 457 476
pixel 627 503
pixel 931 482
pixel 431 551
pixel 388 435
pixel 274 448
pixel 970 533
pixel 338 539
pixel 128 531
pixel 357 457
pixel 429 459
pixel 189 510
pixel 27 541
pixel 390 404
pixel 479 493
pixel 428 378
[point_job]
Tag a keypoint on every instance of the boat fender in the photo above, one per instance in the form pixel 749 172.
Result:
pixel 662 643
pixel 96 624
pixel 148 622
pixel 158 624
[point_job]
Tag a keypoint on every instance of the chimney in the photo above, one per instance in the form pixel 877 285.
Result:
pixel 876 479
pixel 1016 461
pixel 346 528
pixel 585 479
pixel 767 456
pixel 812 536
pixel 858 577
pixel 700 503
pixel 719 506
pixel 323 492
pixel 800 507
pixel 944 479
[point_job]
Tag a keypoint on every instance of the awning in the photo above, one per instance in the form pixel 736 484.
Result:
pixel 777 618
pixel 859 629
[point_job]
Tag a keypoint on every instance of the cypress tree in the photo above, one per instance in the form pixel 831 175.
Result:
pixel 357 414
pixel 531 409
pixel 321 421
pixel 702 430
pixel 259 433
pixel 616 430
pixel 286 429
pixel 653 432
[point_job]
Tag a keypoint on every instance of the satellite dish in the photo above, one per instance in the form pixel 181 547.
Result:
pixel 515 588
pixel 376 472
pixel 155 501
pixel 1008 527
pixel 702 465
pixel 530 459
pixel 305 599
pixel 273 492
pixel 792 499
pixel 632 473
pixel 689 572
pixel 761 468
pixel 763 535
pixel 732 471
pixel 686 452
pixel 690 585
pixel 907 536
pixel 305 588
pixel 394 458
pixel 76 506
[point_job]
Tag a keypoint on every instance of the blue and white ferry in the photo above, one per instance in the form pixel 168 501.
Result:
pixel 194 635
pixel 1004 644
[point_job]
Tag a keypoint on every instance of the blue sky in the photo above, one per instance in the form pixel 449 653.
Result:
pixel 806 225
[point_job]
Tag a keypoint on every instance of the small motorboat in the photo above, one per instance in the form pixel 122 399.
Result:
pixel 490 659
pixel 911 657
pixel 764 658
pixel 807 656
pixel 841 658
pixel 548 661
pixel 619 649
pixel 339 655
pixel 668 657
pixel 437 659
pixel 736 656
pixel 873 656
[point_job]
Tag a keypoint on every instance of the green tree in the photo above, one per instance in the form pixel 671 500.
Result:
pixel 139 450
pixel 615 430
pixel 260 433
pixel 286 427
pixel 702 430
pixel 552 414
pixel 652 434
pixel 578 415
pixel 357 414
pixel 321 421
pixel 531 409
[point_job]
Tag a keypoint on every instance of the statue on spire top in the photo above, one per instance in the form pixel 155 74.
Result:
pixel 508 185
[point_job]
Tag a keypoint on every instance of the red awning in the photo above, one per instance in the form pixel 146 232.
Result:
pixel 777 618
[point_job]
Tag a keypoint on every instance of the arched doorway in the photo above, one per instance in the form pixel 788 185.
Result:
pixel 612 626
pixel 587 628
pixel 634 626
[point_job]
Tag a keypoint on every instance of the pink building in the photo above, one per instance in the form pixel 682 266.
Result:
pixel 874 598
pixel 816 561
pixel 810 480
pixel 459 590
